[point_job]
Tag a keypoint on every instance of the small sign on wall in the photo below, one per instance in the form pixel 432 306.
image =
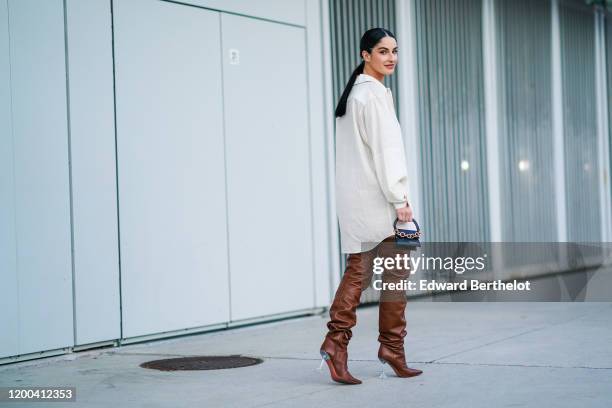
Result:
pixel 234 56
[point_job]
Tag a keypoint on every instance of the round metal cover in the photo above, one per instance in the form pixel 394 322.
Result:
pixel 202 363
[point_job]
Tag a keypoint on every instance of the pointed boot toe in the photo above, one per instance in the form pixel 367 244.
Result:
pixel 336 360
pixel 397 361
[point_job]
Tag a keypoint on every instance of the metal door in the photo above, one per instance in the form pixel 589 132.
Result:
pixel 269 191
pixel 172 208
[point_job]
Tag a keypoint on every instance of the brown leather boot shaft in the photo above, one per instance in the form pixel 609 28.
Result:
pixel 343 315
pixel 392 328
pixel 391 316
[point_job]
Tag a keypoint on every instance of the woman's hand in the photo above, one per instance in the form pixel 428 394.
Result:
pixel 404 214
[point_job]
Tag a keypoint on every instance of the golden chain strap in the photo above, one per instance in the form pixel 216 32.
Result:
pixel 404 235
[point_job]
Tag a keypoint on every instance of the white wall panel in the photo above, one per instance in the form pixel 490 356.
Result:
pixel 94 189
pixel 9 300
pixel 269 189
pixel 41 176
pixel 170 166
pixel 287 11
pixel 323 255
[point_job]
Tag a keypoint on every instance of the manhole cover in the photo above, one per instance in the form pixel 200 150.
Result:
pixel 201 363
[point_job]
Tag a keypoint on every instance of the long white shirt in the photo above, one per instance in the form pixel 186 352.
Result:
pixel 371 172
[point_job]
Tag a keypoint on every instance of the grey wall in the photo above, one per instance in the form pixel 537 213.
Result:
pixel 579 121
pixel 449 37
pixel 204 202
pixel 608 50
pixel 526 135
pixel 451 100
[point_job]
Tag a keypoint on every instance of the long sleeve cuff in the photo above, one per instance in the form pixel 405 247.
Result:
pixel 400 205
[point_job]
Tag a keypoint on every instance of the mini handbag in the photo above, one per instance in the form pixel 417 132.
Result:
pixel 407 238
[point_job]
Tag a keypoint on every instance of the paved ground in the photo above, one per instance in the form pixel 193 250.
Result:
pixel 472 354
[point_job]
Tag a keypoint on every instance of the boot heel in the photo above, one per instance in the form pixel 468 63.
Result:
pixel 382 375
pixel 324 357
pixel 345 377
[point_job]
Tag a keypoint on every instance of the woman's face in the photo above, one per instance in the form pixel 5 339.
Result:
pixel 383 58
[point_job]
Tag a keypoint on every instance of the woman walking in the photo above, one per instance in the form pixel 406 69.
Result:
pixel 371 192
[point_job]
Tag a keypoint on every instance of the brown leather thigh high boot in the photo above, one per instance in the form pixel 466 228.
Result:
pixel 343 315
pixel 391 317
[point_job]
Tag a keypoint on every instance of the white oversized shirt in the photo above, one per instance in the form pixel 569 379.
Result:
pixel 371 172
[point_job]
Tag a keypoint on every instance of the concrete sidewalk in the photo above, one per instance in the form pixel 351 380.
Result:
pixel 472 355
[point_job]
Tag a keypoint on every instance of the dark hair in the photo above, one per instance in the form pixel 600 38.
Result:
pixel 369 39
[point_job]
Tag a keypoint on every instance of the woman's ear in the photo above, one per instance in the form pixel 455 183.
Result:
pixel 365 56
